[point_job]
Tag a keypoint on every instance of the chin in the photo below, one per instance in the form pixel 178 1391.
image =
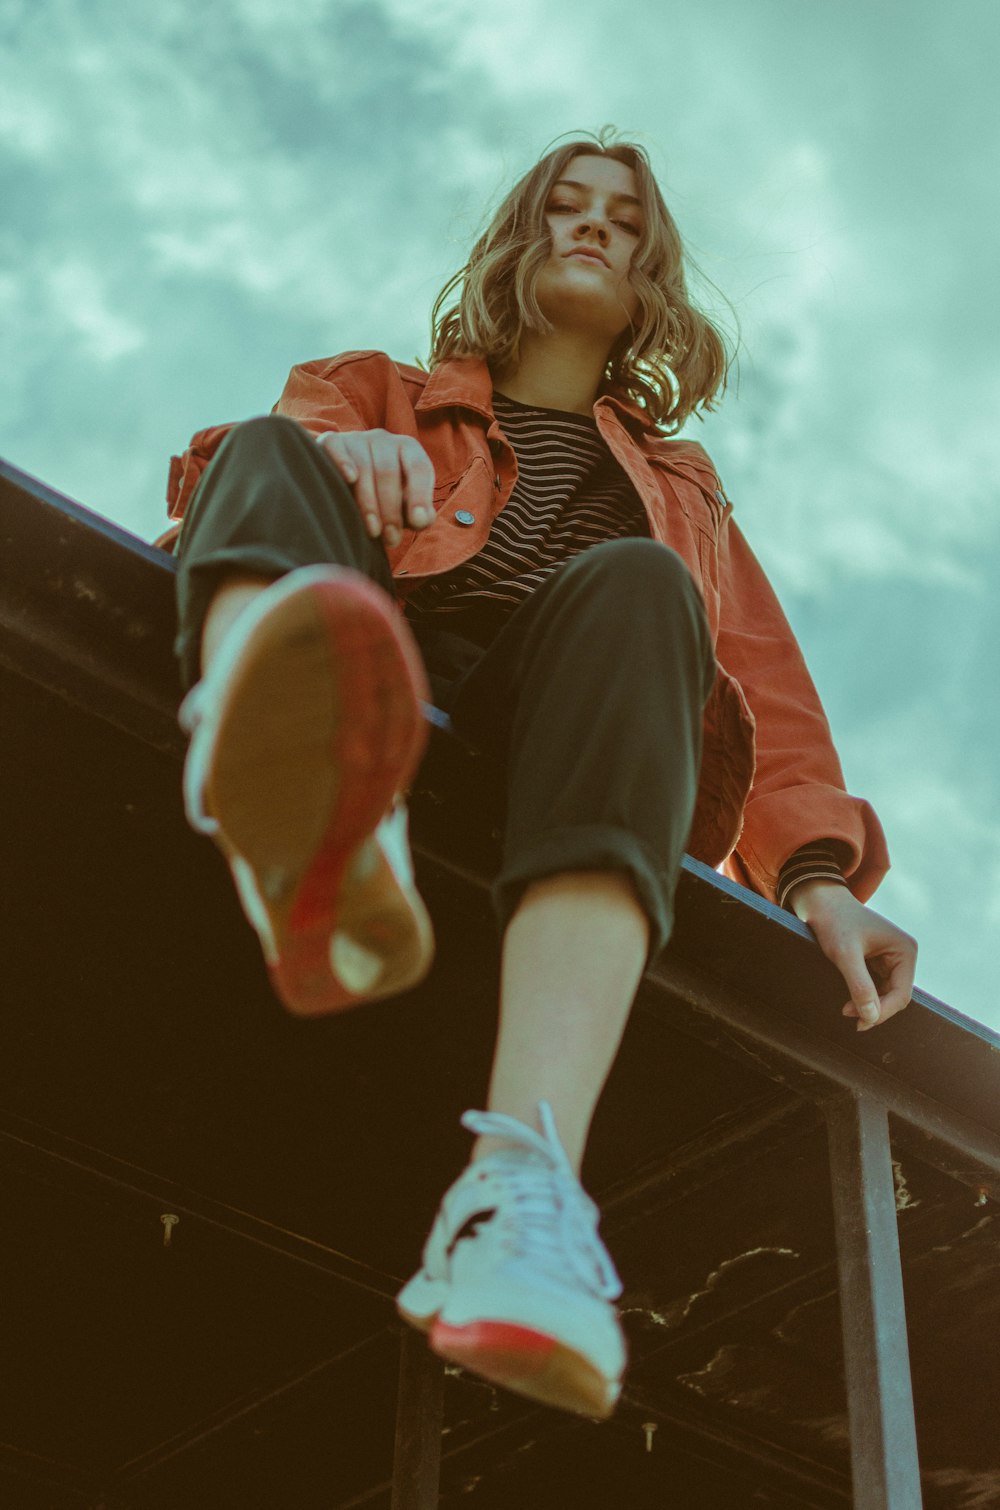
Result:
pixel 576 301
pixel 569 307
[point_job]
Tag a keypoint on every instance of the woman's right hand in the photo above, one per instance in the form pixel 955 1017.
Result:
pixel 392 477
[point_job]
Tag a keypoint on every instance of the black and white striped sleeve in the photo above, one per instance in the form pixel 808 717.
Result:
pixel 815 861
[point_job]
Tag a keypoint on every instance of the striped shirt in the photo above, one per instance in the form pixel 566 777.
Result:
pixel 570 494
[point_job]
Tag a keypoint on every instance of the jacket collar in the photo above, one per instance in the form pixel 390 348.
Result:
pixel 466 383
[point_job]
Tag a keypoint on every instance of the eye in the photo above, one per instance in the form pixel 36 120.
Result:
pixel 571 209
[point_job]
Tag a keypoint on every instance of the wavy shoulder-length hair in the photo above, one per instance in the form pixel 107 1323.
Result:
pixel 672 360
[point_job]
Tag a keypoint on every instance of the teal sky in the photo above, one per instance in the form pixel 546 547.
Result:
pixel 194 197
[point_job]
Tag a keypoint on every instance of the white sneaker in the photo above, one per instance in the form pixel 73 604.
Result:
pixel 516 1284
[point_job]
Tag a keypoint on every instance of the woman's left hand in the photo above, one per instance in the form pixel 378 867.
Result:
pixel 877 960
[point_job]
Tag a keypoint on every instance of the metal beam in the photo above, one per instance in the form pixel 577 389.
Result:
pixel 884 1464
pixel 815 1067
pixel 419 1410
pixel 40 1148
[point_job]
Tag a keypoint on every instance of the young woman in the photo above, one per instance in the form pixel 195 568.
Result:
pixel 516 525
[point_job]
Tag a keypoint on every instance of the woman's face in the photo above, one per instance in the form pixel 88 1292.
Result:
pixel 592 209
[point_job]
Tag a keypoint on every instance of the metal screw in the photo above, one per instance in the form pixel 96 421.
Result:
pixel 169 1223
pixel 649 1427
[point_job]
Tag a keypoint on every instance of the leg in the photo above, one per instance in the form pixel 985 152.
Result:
pixel 270 501
pixel 306 724
pixel 603 681
pixel 572 959
pixel 233 594
pixel 594 693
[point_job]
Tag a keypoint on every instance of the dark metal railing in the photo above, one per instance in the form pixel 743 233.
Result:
pixel 76 621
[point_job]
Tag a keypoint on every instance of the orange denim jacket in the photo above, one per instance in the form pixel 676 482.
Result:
pixel 770 777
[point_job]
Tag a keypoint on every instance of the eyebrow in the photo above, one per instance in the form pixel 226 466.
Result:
pixel 571 183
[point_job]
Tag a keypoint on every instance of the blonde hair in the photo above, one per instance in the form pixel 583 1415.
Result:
pixel 672 360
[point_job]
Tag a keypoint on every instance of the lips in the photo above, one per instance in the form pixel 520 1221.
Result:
pixel 591 252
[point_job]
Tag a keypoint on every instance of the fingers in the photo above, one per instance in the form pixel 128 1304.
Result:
pixel 877 960
pixel 895 994
pixel 895 973
pixel 387 484
pixel 864 1003
pixel 376 479
pixel 418 473
pixel 389 473
pixel 349 453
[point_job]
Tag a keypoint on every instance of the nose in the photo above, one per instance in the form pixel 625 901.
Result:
pixel 593 224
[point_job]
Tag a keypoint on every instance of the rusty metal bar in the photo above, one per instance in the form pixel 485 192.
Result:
pixel 830 1068
pixel 44 1152
pixel 884 1463
pixel 419 1409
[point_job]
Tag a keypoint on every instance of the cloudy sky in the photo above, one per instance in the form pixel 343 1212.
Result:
pixel 195 196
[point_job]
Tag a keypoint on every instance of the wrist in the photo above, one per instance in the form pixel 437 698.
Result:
pixel 804 896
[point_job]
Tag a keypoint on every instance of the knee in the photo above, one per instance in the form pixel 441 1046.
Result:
pixel 265 435
pixel 637 570
pixel 635 588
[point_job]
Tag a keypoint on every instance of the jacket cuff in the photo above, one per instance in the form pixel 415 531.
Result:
pixel 810 863
pixel 777 823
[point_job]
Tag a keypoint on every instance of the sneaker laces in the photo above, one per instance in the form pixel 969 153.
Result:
pixel 553 1221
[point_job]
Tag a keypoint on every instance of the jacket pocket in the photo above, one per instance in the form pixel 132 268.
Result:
pixel 471 488
pixel 463 515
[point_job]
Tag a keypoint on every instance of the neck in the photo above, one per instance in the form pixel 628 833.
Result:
pixel 558 371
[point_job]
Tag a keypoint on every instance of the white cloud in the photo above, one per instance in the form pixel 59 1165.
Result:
pixel 939 802
pixel 81 304
pixel 29 126
pixel 512 52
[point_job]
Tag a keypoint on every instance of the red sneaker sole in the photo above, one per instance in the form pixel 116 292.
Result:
pixel 379 738
pixel 529 1363
pixel 347 681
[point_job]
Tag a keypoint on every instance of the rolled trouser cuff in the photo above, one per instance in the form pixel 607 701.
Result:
pixel 204 579
pixel 587 848
pixel 270 500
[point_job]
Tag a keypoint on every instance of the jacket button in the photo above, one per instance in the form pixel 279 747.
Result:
pixel 496 481
pixel 463 516
pixel 720 496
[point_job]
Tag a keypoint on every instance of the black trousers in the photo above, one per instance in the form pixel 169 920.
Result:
pixel 591 693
